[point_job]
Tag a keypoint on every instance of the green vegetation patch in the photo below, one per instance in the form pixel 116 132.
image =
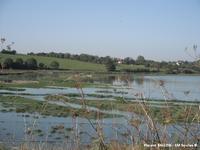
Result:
pixel 22 105
pixel 166 113
pixel 11 88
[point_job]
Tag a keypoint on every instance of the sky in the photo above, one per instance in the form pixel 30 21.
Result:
pixel 156 29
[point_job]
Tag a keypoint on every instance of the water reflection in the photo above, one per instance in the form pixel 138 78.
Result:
pixel 153 87
pixel 139 80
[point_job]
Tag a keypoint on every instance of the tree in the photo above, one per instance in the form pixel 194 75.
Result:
pixel 2 42
pixel 19 63
pixel 110 66
pixel 41 65
pixel 8 63
pixel 84 57
pixel 8 49
pixel 140 60
pixel 67 55
pixel 129 60
pixel 12 52
pixel 54 65
pixel 31 63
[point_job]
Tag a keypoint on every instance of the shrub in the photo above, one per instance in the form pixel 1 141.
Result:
pixel 54 65
pixel 110 66
pixel 12 52
pixel 8 63
pixel 31 63
pixel 19 63
pixel 41 66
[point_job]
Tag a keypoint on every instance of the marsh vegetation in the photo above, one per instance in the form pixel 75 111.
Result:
pixel 60 109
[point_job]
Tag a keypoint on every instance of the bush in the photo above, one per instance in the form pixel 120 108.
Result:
pixel 137 70
pixel 31 63
pixel 8 63
pixel 188 71
pixel 19 63
pixel 54 65
pixel 140 60
pixel 110 66
pixel 41 66
pixel 171 71
pixel 12 52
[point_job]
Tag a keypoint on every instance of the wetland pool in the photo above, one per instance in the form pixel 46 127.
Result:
pixel 14 126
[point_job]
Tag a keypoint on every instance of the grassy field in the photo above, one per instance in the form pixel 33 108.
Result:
pixel 71 64
pixel 64 63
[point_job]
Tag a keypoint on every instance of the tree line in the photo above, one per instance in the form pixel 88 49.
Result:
pixel 91 58
pixel 172 67
pixel 30 63
pixel 109 62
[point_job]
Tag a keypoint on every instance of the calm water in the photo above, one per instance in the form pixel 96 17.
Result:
pixel 154 87
pixel 13 125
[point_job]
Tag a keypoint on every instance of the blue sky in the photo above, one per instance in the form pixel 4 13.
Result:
pixel 156 29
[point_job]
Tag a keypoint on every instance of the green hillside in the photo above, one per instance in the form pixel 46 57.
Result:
pixel 64 63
